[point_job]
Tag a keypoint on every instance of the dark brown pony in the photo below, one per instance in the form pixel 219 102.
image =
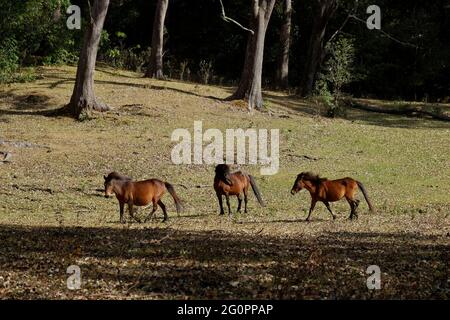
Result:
pixel 324 190
pixel 234 184
pixel 139 193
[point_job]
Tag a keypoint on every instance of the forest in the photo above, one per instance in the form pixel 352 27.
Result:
pixel 108 108
pixel 408 60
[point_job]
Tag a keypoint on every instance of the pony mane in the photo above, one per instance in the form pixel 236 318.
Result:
pixel 313 177
pixel 115 175
pixel 222 169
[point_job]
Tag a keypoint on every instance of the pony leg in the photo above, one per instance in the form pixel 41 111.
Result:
pixel 130 209
pixel 163 207
pixel 245 201
pixel 313 204
pixel 239 202
pixel 329 209
pixel 227 198
pixel 150 216
pixel 353 207
pixel 121 205
pixel 219 196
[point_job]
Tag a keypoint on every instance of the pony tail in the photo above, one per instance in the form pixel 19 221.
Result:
pixel 366 196
pixel 256 191
pixel 172 192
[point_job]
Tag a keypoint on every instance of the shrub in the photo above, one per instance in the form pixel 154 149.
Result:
pixel 336 72
pixel 205 71
pixel 9 60
pixel 132 59
pixel 60 56
pixel 340 63
pixel 183 67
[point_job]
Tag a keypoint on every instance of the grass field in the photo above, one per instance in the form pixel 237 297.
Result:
pixel 52 214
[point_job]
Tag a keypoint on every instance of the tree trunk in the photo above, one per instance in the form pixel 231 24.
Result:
pixel 83 98
pixel 155 69
pixel 285 39
pixel 324 10
pixel 250 84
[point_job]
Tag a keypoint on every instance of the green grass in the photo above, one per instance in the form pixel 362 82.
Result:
pixel 52 216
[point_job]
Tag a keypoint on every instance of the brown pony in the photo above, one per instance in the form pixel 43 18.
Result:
pixel 324 190
pixel 139 193
pixel 227 183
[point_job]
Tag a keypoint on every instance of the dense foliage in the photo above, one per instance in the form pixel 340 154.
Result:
pixel 410 59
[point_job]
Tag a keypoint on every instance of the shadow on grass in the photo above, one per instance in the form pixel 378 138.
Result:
pixel 32 104
pixel 166 263
pixel 134 85
pixel 39 104
pixel 297 104
pixel 114 73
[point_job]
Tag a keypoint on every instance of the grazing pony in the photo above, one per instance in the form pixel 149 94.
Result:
pixel 324 190
pixel 233 184
pixel 139 193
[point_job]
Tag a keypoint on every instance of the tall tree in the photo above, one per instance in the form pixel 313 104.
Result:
pixel 285 40
pixel 323 11
pixel 155 69
pixel 250 83
pixel 83 98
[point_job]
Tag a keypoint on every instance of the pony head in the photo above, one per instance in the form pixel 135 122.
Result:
pixel 298 184
pixel 223 173
pixel 109 182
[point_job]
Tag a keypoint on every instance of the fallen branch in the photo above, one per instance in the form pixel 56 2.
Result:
pixel 303 156
pixel 408 110
pixel 256 233
pixel 167 236
pixel 194 186
pixel 202 186
pixel 138 282
pixel 23 144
